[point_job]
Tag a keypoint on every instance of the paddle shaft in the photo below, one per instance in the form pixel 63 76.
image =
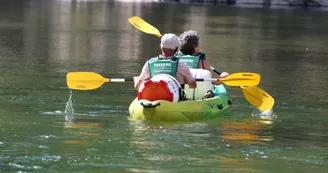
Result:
pixel 93 80
pixel 119 79
pixel 219 73
pixel 131 79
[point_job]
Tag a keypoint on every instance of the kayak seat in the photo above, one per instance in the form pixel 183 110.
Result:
pixel 202 86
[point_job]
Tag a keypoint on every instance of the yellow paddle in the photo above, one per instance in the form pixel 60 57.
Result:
pixel 144 26
pixel 91 80
pixel 256 96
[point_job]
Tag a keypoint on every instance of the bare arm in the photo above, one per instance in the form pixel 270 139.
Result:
pixel 138 80
pixel 208 67
pixel 192 84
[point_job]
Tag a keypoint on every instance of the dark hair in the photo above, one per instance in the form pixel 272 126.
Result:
pixel 188 40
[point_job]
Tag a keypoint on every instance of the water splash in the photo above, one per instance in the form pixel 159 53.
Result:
pixel 267 115
pixel 69 110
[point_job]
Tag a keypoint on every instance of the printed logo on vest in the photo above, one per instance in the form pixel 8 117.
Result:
pixel 162 65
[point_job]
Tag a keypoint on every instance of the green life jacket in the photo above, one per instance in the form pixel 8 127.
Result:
pixel 190 60
pixel 163 66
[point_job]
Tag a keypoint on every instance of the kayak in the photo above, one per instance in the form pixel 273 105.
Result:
pixel 189 110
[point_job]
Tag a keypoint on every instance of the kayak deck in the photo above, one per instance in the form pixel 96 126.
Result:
pixel 181 111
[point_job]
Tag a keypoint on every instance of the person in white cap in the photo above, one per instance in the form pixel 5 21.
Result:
pixel 166 63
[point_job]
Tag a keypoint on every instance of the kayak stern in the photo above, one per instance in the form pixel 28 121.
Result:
pixel 180 111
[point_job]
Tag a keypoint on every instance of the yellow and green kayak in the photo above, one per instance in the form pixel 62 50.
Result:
pixel 190 110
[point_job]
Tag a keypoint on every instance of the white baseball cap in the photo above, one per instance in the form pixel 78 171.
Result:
pixel 170 41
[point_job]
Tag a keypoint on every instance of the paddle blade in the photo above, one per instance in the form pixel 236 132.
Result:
pixel 144 26
pixel 242 79
pixel 84 80
pixel 258 98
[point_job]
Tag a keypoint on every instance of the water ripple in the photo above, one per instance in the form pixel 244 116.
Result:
pixel 102 165
pixel 15 165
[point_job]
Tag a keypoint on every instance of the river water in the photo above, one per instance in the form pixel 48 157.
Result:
pixel 41 41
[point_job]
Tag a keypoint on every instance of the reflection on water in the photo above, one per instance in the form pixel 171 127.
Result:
pixel 236 148
pixel 83 125
pixel 246 136
pixel 248 131
pixel 71 36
